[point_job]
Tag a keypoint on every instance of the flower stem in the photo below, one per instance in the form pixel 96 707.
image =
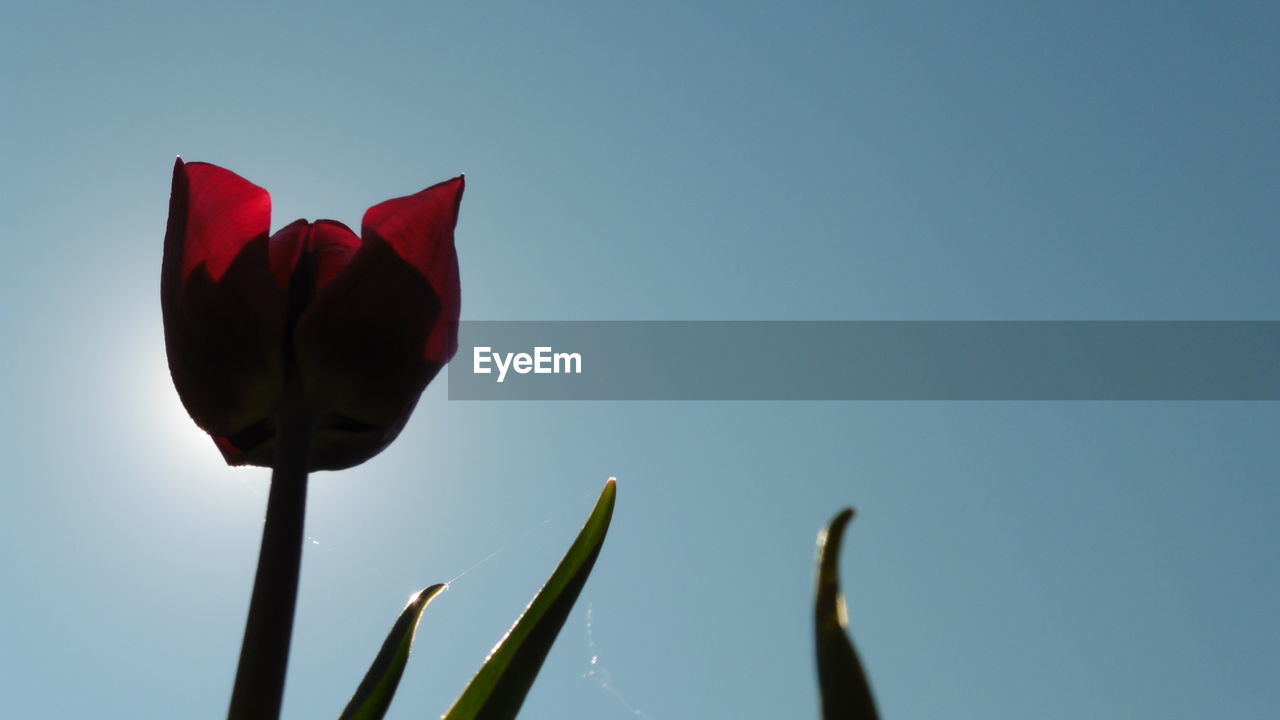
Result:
pixel 259 688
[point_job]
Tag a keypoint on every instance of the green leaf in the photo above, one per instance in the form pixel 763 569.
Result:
pixel 843 685
pixel 373 697
pixel 499 687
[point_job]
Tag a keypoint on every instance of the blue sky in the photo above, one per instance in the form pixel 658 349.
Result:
pixel 685 161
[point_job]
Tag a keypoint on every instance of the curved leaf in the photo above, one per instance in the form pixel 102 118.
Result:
pixel 843 685
pixel 373 697
pixel 500 685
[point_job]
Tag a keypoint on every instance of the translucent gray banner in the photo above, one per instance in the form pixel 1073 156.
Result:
pixel 1084 360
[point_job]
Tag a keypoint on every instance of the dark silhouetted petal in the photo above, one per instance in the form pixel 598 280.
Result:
pixel 327 246
pixel 359 352
pixel 332 246
pixel 420 229
pixel 284 250
pixel 376 333
pixel 224 315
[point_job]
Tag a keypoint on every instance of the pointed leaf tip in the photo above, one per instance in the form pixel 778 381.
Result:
pixel 842 683
pixel 373 697
pixel 499 687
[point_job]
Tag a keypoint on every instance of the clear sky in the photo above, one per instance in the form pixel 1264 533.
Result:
pixel 660 160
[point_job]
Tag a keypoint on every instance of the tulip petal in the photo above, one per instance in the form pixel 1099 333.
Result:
pixel 377 331
pixel 420 229
pixel 224 316
pixel 358 350
pixel 225 213
pixel 332 245
pixel 328 246
pixel 284 250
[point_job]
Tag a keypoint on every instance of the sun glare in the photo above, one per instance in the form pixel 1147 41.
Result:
pixel 169 433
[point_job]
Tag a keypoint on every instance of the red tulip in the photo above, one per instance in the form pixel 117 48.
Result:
pixel 346 330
